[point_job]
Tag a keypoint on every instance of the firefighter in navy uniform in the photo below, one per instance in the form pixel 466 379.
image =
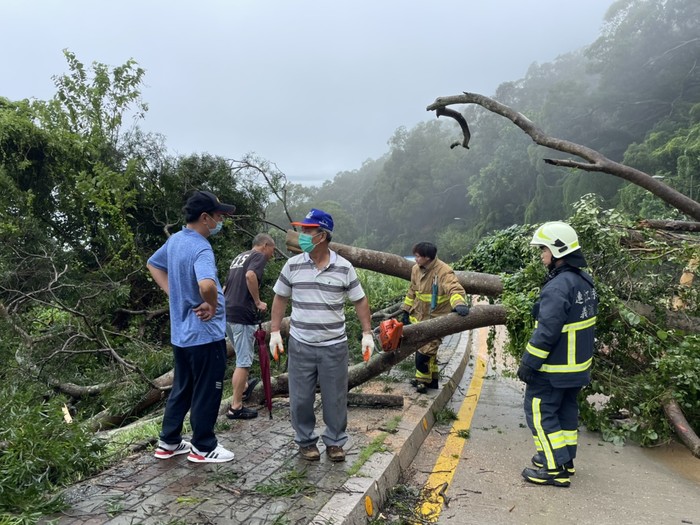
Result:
pixel 557 360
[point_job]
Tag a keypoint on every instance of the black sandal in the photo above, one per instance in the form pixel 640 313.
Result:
pixel 241 413
pixel 249 390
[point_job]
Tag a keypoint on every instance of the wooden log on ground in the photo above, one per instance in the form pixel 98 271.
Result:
pixel 356 399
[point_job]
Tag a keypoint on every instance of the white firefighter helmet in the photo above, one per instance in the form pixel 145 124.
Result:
pixel 559 237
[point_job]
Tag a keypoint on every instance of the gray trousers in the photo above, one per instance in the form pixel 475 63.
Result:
pixel 327 365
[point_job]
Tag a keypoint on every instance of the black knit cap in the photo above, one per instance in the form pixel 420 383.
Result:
pixel 206 202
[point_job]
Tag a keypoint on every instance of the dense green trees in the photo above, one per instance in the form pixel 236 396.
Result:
pixel 84 200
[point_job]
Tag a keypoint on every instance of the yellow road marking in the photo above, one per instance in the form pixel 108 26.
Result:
pixel 447 461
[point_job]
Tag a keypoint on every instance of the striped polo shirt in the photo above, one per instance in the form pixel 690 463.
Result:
pixel 318 297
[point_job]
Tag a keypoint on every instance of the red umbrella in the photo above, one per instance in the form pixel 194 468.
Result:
pixel 264 356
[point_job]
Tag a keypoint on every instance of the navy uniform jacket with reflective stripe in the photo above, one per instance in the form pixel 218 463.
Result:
pixel 561 347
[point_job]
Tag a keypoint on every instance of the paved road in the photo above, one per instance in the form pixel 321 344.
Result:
pixel 612 485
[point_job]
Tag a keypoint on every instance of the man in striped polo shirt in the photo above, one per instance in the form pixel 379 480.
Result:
pixel 318 281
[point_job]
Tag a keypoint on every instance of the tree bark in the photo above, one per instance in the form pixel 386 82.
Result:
pixel 685 226
pixel 682 428
pixel 397 266
pixel 374 400
pixel 595 160
pixel 414 336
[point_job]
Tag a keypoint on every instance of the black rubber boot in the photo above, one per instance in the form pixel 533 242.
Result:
pixel 538 461
pixel 558 477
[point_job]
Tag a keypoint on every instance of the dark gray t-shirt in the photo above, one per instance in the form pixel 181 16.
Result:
pixel 240 307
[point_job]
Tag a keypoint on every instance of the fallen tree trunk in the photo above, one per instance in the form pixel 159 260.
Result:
pixel 681 427
pixel 685 226
pixel 397 266
pixel 415 336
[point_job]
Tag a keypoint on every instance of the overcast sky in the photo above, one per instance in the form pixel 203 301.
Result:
pixel 317 86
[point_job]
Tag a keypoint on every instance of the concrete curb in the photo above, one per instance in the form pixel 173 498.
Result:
pixel 368 490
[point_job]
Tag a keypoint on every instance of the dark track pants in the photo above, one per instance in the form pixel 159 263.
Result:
pixel 199 376
pixel 552 416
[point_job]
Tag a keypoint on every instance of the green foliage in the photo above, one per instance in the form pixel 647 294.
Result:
pixel 382 290
pixel 375 446
pixel 464 433
pixel 445 416
pixel 503 251
pixel 670 152
pixel 293 483
pixel 41 451
pixel 83 202
pixel 680 367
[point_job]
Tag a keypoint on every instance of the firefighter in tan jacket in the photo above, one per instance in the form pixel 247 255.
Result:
pixel 434 291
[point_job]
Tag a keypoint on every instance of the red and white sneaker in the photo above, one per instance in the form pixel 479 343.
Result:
pixel 218 455
pixel 167 451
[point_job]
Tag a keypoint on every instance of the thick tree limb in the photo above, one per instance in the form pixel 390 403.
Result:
pixel 67 388
pixel 681 427
pixel 390 264
pixel 685 226
pixel 595 160
pixel 415 336
pixel 387 313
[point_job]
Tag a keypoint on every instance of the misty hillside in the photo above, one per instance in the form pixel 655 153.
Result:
pixel 632 95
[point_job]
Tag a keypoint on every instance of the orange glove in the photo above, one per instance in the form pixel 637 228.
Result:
pixel 367 346
pixel 276 346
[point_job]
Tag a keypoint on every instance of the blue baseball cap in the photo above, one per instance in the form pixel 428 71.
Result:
pixel 317 218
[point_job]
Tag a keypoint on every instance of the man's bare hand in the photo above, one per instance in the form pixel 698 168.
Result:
pixel 205 311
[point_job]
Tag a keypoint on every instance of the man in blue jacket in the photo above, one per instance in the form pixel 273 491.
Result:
pixel 557 360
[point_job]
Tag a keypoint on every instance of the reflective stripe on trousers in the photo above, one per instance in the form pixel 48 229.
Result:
pixel 552 416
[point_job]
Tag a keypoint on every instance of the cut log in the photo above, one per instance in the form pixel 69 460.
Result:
pixel 374 400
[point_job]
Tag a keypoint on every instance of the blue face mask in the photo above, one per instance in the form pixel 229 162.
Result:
pixel 216 229
pixel 306 242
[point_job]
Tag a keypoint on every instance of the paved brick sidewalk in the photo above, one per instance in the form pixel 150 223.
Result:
pixel 144 490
